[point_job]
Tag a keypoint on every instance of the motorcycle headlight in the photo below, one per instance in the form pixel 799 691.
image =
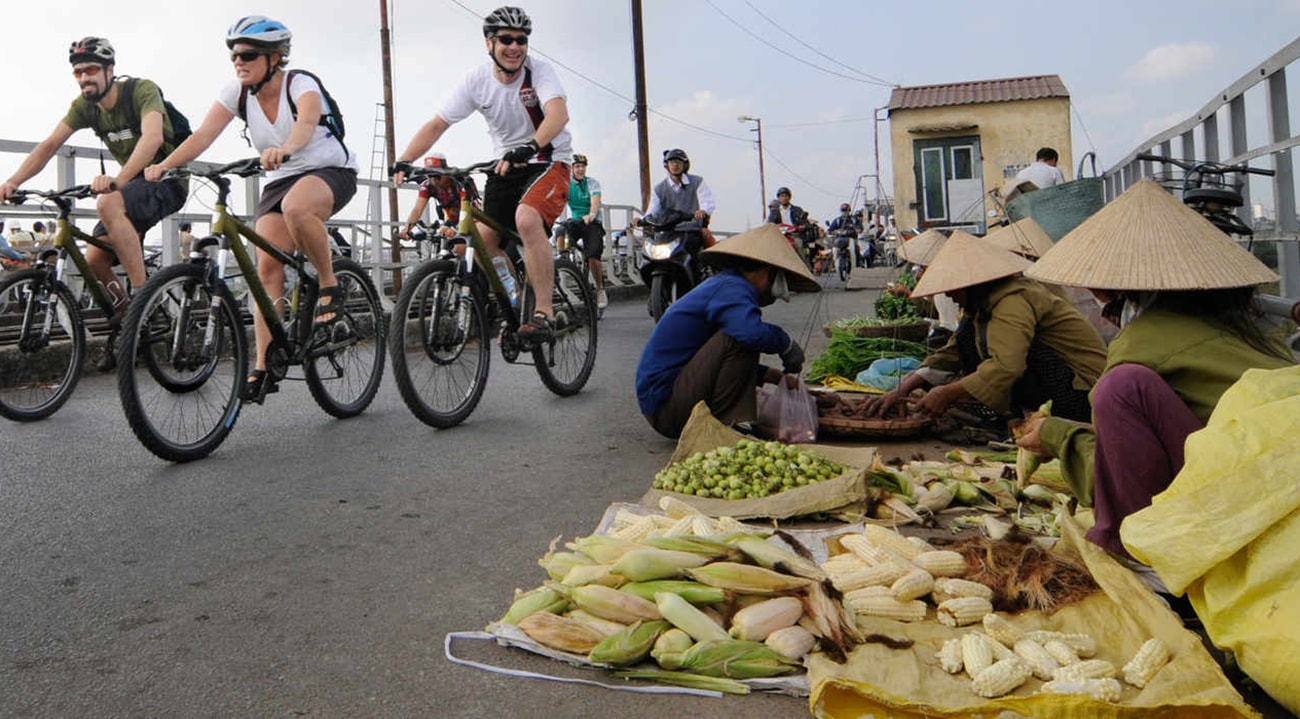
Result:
pixel 659 251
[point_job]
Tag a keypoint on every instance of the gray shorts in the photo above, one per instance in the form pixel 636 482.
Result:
pixel 147 203
pixel 342 181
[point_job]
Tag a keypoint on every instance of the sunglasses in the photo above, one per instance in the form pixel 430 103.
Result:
pixel 246 55
pixel 88 71
pixel 509 40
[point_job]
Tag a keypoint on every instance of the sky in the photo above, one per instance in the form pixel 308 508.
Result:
pixel 814 71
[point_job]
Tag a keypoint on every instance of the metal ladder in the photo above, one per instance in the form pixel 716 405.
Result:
pixel 378 168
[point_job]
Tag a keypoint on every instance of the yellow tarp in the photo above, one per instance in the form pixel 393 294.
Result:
pixel 1227 529
pixel 879 682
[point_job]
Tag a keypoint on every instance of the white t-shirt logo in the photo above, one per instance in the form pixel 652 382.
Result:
pixel 528 96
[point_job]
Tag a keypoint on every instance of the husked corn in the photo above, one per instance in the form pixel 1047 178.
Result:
pixel 757 621
pixel 1000 650
pixel 869 552
pixel 1106 690
pixel 865 592
pixel 920 544
pixel 946 588
pixel 891 540
pixel 882 574
pixel 1152 655
pixel 942 563
pixel 949 656
pixel 963 610
pixel 976 654
pixel 1040 662
pixel 1061 652
pixel 1086 669
pixel 1082 644
pixel 1000 678
pixel 793 642
pixel 915 584
pixel 997 626
pixel 887 607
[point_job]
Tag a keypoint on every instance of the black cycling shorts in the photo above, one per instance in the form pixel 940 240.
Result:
pixel 147 203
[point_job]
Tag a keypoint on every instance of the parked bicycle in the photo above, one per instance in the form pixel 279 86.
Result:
pixel 183 356
pixel 1206 189
pixel 42 321
pixel 450 308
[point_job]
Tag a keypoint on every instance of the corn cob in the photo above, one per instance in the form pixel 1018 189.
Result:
pixel 1086 669
pixel 1040 662
pixel 675 508
pixel 883 574
pixel 583 574
pixel 558 564
pixel 731 525
pixel 629 646
pixel 793 642
pixel 887 607
pixel 745 578
pixel 541 599
pixel 602 549
pixel 920 544
pixel 1000 650
pixel 560 633
pixel 686 617
pixel 997 626
pixel 766 554
pixel 1061 652
pixel 963 610
pixel 736 659
pixel 867 592
pixel 602 626
pixel 1105 690
pixel 687 679
pixel 946 588
pixel 1149 659
pixel 757 621
pixel 1000 678
pixel 611 604
pixel 913 585
pixel 709 547
pixel 942 563
pixel 702 526
pixel 680 528
pixel 669 647
pixel 976 654
pixel 871 553
pixel 949 656
pixel 643 565
pixel 891 540
pixel 1082 644
pixel 633 527
pixel 693 592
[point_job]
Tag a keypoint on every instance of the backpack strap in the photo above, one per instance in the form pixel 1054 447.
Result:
pixel 327 103
pixel 533 104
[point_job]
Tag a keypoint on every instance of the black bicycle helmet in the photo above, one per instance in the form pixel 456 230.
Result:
pixel 677 154
pixel 845 207
pixel 783 191
pixel 507 17
pixel 579 159
pixel 92 49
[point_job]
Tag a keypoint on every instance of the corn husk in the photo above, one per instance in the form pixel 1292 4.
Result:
pixel 693 592
pixel 560 633
pixel 628 646
pixel 1027 462
pixel 541 599
pixel 736 659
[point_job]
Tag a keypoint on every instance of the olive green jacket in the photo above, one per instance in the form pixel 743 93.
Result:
pixel 1021 310
pixel 1198 360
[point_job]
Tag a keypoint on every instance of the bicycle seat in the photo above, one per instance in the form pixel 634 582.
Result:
pixel 1212 195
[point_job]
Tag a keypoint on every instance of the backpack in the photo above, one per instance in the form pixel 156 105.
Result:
pixel 180 124
pixel 331 120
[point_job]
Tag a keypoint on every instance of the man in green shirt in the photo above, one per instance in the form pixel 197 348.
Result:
pixel 137 131
pixel 584 223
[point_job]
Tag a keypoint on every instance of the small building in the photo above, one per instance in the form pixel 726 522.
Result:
pixel 963 140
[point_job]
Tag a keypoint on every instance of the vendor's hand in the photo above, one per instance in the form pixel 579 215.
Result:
pixel 1029 439
pixel 882 405
pixel 936 401
pixel 103 184
pixel 792 358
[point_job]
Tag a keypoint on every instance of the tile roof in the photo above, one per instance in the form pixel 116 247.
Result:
pixel 978 92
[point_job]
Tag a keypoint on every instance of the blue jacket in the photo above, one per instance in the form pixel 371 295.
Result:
pixel 726 302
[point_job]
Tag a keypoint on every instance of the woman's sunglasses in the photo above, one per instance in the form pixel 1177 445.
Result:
pixel 246 56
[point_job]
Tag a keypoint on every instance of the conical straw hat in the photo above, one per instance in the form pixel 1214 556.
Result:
pixel 1147 240
pixel 767 244
pixel 1023 237
pixel 920 250
pixel 966 261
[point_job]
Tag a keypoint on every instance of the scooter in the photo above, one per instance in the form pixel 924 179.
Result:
pixel 669 270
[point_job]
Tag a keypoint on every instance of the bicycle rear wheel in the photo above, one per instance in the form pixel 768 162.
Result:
pixel 567 366
pixel 439 344
pixel 344 374
pixel 42 345
pixel 182 359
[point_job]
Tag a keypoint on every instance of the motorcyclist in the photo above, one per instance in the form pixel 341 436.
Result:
pixel 795 216
pixel 686 193
pixel 845 229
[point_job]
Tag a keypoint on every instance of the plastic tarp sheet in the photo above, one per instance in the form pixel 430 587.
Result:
pixel 1226 531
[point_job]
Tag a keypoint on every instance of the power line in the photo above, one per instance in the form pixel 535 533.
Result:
pixel 810 47
pixel 824 122
pixel 803 179
pixel 793 57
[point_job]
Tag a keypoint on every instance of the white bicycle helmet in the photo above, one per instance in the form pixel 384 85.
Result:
pixel 92 49
pixel 261 31
pixel 507 17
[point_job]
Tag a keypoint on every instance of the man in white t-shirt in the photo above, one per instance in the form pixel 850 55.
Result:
pixel 524 105
pixel 1043 173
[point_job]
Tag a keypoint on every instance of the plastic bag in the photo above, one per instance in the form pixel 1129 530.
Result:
pixel 886 373
pixel 787 414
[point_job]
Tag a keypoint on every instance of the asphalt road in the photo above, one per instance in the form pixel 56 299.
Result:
pixel 312 566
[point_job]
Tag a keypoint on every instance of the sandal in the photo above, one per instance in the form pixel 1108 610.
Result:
pixel 539 329
pixel 258 385
pixel 334 310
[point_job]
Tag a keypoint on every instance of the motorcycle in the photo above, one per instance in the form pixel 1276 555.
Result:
pixel 669 270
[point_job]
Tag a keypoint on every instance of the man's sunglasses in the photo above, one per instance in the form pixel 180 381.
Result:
pixel 88 71
pixel 509 40
pixel 246 55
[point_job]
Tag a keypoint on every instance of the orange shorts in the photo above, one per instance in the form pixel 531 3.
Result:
pixel 543 187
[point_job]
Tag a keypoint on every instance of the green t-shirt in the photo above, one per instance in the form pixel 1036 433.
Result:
pixel 114 126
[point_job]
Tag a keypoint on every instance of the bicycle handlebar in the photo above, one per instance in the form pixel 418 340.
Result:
pixel 416 175
pixel 77 192
pixel 1204 167
pixel 247 167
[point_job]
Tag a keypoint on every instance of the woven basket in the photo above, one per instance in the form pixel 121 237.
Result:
pixel 914 332
pixel 1061 208
pixel 873 428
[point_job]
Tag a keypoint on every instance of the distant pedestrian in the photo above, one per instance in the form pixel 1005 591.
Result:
pixel 1043 173
pixel 185 240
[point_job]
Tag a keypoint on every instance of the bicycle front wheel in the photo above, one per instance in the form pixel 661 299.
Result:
pixel 42 345
pixel 566 367
pixel 439 344
pixel 182 359
pixel 343 374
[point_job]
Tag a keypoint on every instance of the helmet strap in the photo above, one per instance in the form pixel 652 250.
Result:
pixel 270 72
pixel 508 73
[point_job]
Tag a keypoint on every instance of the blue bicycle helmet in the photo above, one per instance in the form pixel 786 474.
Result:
pixel 260 31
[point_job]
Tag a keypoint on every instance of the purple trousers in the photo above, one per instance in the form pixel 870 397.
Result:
pixel 1141 425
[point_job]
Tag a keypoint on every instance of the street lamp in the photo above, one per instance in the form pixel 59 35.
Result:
pixel 762 178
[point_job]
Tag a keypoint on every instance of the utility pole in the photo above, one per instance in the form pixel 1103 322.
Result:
pixel 762 176
pixel 642 121
pixel 390 144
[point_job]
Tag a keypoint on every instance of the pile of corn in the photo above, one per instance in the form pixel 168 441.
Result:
pixel 710 608
pixel 886 575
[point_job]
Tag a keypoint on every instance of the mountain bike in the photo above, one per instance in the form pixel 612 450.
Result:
pixel 1205 189
pixel 42 327
pixel 183 357
pixel 451 307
